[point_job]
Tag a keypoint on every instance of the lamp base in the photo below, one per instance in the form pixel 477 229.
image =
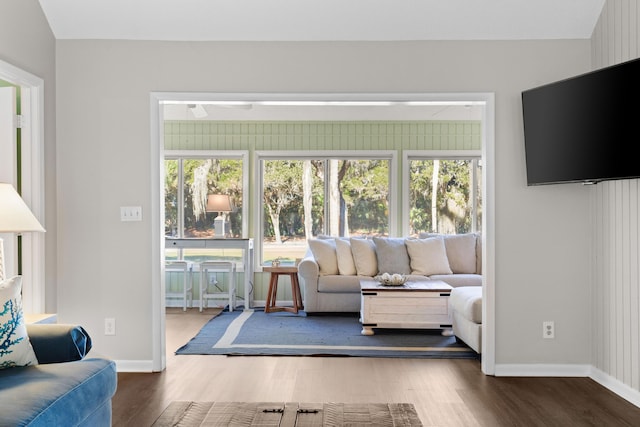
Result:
pixel 1 260
pixel 219 228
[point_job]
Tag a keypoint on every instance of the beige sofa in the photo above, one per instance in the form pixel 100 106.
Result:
pixel 330 272
pixel 465 306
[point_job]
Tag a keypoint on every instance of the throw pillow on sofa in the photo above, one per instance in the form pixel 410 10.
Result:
pixel 15 347
pixel 392 255
pixel 428 256
pixel 364 256
pixel 324 251
pixel 461 251
pixel 346 266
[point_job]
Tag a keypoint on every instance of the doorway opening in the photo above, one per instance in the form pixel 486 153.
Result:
pixel 326 107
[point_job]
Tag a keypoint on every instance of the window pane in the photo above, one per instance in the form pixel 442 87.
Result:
pixel 211 176
pixel 201 177
pixel 306 198
pixel 287 184
pixel 441 196
pixel 364 209
pixel 171 197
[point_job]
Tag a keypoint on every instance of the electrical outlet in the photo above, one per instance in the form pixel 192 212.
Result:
pixel 548 329
pixel 109 326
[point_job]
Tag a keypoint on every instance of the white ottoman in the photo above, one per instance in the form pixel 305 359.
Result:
pixel 465 305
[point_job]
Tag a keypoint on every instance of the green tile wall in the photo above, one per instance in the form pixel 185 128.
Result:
pixel 314 135
pixel 361 135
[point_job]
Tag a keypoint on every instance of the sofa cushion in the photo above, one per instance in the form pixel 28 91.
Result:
pixel 457 280
pixel 461 251
pixel 364 256
pixel 428 256
pixel 346 266
pixel 324 251
pixel 467 301
pixel 339 284
pixel 58 394
pixel 15 346
pixel 392 256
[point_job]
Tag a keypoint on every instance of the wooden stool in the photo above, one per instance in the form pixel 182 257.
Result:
pixel 276 272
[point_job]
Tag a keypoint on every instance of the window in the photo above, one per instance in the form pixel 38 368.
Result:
pixel 189 179
pixel 444 194
pixel 307 196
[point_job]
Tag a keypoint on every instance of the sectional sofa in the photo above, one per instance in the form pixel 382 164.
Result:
pixel 330 271
pixel 46 380
pixel 64 388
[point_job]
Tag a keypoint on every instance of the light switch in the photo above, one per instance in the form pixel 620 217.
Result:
pixel 130 213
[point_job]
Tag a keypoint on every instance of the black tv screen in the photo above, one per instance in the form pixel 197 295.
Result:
pixel 585 128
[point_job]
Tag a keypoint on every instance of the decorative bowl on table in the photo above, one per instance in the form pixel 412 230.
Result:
pixel 387 279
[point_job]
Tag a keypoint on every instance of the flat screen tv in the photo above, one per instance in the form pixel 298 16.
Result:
pixel 585 128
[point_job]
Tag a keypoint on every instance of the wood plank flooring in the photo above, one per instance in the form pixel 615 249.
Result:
pixel 445 392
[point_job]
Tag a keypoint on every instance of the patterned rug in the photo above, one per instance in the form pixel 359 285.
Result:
pixel 289 414
pixel 253 332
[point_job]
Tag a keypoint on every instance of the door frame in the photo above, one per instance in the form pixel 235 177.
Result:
pixel 33 188
pixel 488 191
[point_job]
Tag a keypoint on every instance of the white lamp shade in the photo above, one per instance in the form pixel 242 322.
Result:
pixel 218 203
pixel 15 215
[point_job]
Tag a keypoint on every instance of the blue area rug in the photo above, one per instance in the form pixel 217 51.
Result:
pixel 253 333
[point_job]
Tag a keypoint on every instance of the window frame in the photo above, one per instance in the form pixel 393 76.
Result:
pixel 409 155
pixel 258 200
pixel 242 155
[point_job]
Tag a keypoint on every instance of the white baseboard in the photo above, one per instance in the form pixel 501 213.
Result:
pixel 541 370
pixel 141 366
pixel 545 370
pixel 616 386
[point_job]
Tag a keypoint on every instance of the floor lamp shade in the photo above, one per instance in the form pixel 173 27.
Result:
pixel 15 217
pixel 219 203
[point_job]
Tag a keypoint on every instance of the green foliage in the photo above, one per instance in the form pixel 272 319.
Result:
pixel 453 204
pixel 364 191
pixel 223 176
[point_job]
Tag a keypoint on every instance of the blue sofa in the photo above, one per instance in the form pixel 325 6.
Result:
pixel 65 388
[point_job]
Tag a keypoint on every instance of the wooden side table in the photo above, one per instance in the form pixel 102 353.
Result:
pixel 276 272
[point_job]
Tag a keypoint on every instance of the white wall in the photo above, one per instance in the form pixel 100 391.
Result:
pixel 26 42
pixel 103 163
pixel 615 211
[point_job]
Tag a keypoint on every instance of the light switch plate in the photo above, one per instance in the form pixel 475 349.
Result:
pixel 130 213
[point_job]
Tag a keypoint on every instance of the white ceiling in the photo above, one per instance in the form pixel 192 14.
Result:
pixel 327 20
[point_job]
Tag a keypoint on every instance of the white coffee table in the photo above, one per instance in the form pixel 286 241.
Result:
pixel 414 305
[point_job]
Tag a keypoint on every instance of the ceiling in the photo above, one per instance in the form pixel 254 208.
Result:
pixel 321 20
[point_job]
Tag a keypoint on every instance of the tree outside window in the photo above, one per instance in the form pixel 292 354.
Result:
pixel 305 198
pixel 444 196
pixel 188 182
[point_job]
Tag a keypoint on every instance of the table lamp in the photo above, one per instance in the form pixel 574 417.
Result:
pixel 15 217
pixel 219 203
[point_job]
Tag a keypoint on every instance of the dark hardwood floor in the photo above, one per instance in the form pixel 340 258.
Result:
pixel 445 392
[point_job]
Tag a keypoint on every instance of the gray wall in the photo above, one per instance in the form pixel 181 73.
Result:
pixel 102 266
pixel 26 42
pixel 103 163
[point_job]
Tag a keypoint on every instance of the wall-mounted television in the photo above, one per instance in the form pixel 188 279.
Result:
pixel 585 128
